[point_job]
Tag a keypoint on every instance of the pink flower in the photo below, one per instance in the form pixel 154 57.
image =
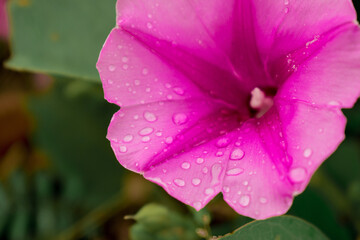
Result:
pixel 242 98
pixel 3 20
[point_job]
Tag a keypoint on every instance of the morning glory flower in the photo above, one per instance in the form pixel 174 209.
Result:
pixel 239 97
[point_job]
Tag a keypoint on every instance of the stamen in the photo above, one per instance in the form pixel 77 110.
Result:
pixel 260 102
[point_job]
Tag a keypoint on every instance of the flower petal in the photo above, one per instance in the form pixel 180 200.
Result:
pixel 281 152
pixel 188 47
pixel 143 136
pixel 131 74
pixel 332 77
pixel 283 26
pixel 175 21
pixel 193 177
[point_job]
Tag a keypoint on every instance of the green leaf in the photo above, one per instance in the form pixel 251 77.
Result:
pixel 156 222
pixel 71 129
pixel 277 228
pixel 315 208
pixel 59 37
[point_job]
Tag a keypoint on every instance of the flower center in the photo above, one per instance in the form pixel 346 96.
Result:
pixel 260 102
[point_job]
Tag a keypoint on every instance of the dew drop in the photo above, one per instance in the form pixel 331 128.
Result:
pixel 112 68
pixel 185 165
pixel 226 189
pixel 123 149
pixel 215 173
pixel 234 171
pixel 244 200
pixel 307 152
pixel 145 71
pixel 205 170
pixel 128 138
pixel 137 82
pixel 179 118
pixel 298 174
pixel 150 117
pixel 223 142
pixel 195 181
pixel 125 59
pixel 179 91
pixel 209 191
pixel 219 154
pixel 237 154
pixel 199 160
pixel 197 205
pixel 146 131
pixel 145 139
pixel 149 25
pixel 169 140
pixel 334 103
pixel 179 182
pixel 125 66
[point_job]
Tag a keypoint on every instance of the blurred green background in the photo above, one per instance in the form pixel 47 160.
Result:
pixel 59 178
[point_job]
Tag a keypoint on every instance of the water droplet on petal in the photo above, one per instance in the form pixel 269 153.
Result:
pixel 237 154
pixel 195 181
pixel 234 171
pixel 334 103
pixel 150 117
pixel 149 25
pixel 128 138
pixel 145 139
pixel 125 59
pixel 199 160
pixel 137 82
pixel 112 68
pixel 219 153
pixel 205 170
pixel 307 152
pixel 145 71
pixel 215 173
pixel 185 165
pixel 179 118
pixel 123 149
pixel 197 205
pixel 146 131
pixel 244 200
pixel 169 140
pixel 223 142
pixel 226 189
pixel 298 174
pixel 179 182
pixel 179 91
pixel 209 191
